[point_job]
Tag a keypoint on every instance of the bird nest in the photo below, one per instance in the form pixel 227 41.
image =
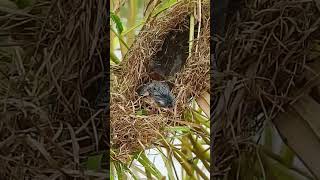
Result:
pixel 135 123
pixel 261 65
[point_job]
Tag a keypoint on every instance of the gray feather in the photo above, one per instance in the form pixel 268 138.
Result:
pixel 160 92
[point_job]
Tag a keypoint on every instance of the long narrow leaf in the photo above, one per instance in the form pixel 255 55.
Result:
pixel 117 21
pixel 143 159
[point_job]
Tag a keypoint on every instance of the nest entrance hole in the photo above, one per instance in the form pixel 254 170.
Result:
pixel 172 55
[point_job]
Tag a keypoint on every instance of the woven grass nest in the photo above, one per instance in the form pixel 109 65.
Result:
pixel 261 67
pixel 161 40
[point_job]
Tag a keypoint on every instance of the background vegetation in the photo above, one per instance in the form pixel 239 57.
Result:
pixel 265 83
pixel 51 68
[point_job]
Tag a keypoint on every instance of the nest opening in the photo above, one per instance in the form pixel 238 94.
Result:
pixel 172 55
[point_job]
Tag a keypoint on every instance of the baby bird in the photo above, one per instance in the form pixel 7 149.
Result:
pixel 159 92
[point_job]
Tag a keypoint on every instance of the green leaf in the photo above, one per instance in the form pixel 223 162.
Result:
pixel 120 38
pixel 94 162
pixel 168 163
pixel 268 136
pixel 279 171
pixel 142 112
pixel 112 169
pixel 283 168
pixel 200 119
pixel 149 166
pixel 120 172
pixel 163 6
pixel 117 21
pixel 130 172
pixel 133 28
pixel 114 58
pixel 287 155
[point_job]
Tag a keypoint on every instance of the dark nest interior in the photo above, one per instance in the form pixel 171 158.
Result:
pixel 172 55
pixel 261 67
pixel 159 53
pixel 52 60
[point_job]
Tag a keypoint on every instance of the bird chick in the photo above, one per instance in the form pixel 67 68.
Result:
pixel 159 92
